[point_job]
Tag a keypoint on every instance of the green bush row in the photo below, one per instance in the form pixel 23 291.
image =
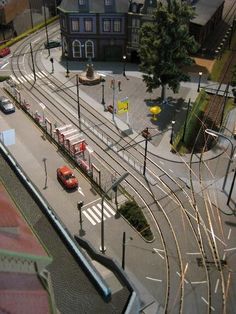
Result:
pixel 182 142
pixel 133 213
pixel 27 33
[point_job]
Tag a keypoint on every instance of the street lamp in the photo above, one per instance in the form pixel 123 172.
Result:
pixel 124 65
pixel 113 187
pixel 67 64
pixel 147 136
pixel 52 60
pixel 103 100
pixel 199 81
pixel 172 131
pixel 217 134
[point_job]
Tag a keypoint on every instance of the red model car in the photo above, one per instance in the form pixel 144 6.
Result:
pixel 4 52
pixel 67 178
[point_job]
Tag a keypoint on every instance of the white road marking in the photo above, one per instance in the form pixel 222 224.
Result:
pixel 95 201
pixel 4 65
pixel 109 208
pixel 80 191
pixel 97 211
pixel 197 282
pixel 232 249
pixel 229 234
pixel 105 212
pixel 154 279
pixel 217 284
pixel 22 79
pixel 157 251
pixel 212 308
pixel 224 256
pixel 93 215
pixel 193 253
pixel 180 276
pixel 171 170
pixel 89 218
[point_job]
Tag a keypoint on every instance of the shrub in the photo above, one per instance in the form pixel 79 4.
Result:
pixel 133 213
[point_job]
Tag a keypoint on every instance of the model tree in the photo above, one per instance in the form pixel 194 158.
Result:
pixel 165 46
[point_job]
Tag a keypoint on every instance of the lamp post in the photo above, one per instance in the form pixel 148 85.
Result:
pixel 67 64
pixel 103 100
pixel 217 134
pixel 199 81
pixel 32 58
pixel 172 132
pixel 52 61
pixel 78 99
pixel 124 65
pixel 113 187
pixel 147 136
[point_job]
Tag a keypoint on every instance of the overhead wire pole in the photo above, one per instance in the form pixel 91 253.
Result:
pixel 112 187
pixel 217 134
pixel 32 58
pixel 78 99
pixel 46 28
pixel 31 16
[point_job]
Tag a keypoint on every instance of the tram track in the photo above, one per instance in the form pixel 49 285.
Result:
pixel 133 173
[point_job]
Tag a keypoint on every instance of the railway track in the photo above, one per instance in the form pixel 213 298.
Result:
pixel 154 197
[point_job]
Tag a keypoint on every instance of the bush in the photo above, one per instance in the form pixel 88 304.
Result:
pixel 133 213
pixel 4 78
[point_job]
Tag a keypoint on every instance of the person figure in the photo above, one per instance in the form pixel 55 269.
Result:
pixel 119 85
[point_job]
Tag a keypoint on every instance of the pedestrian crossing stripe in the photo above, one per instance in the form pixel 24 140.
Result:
pixel 28 77
pixel 94 214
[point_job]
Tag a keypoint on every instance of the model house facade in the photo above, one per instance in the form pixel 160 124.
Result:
pixel 108 29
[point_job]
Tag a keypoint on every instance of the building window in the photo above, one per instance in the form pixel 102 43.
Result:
pixel 63 22
pixel 135 22
pixel 76 49
pixel 117 25
pixel 64 46
pixel 108 2
pixel 81 2
pixel 134 38
pixel 106 25
pixel 89 49
pixel 75 25
pixel 88 25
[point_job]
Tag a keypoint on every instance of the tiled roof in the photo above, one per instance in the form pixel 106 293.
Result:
pixel 95 6
pixel 15 234
pixel 22 293
pixel 204 10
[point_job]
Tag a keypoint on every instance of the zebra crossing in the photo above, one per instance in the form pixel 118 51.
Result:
pixel 28 77
pixel 94 214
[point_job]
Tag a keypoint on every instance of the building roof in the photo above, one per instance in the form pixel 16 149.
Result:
pixel 95 6
pixel 15 234
pixel 204 10
pixel 22 293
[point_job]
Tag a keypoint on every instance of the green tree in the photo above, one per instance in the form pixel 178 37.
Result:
pixel 165 46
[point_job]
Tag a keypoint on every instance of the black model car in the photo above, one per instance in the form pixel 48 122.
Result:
pixel 52 44
pixel 6 105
